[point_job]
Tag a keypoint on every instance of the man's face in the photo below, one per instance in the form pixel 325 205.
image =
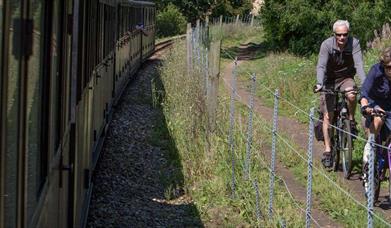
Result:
pixel 387 70
pixel 341 35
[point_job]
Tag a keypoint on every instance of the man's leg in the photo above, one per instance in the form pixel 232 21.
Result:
pixel 348 84
pixel 374 130
pixel 327 118
pixel 351 98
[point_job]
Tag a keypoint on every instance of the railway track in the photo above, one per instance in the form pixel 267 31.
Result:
pixel 163 45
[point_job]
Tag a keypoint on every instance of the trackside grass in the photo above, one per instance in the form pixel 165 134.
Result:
pixel 207 164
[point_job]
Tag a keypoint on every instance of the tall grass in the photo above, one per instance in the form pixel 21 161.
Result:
pixel 206 160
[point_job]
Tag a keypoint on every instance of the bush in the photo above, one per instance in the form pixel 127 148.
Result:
pixel 170 22
pixel 301 25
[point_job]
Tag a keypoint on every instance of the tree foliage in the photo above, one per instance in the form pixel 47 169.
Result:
pixel 198 9
pixel 301 25
pixel 170 22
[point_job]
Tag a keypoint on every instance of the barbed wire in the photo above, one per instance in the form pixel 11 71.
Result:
pixel 299 109
pixel 257 120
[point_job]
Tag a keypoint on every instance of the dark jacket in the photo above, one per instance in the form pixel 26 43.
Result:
pixel 377 87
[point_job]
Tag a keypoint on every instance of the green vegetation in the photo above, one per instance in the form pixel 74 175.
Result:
pixel 301 25
pixel 170 22
pixel 194 10
pixel 206 163
pixel 294 77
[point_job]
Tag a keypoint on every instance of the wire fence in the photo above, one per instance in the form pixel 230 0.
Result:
pixel 203 56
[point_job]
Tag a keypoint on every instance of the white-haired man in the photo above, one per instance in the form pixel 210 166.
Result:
pixel 340 59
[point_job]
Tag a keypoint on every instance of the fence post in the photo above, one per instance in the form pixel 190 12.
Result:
pixel 273 160
pixel 221 20
pixel 257 205
pixel 213 83
pixel 371 180
pixel 231 125
pixel 252 20
pixel 237 20
pixel 309 176
pixel 189 37
pixel 250 129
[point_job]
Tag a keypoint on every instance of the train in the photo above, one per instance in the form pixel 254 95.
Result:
pixel 64 65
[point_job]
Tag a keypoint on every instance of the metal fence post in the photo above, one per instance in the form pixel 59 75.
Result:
pixel 371 180
pixel 250 128
pixel 309 176
pixel 231 125
pixel 257 205
pixel 273 160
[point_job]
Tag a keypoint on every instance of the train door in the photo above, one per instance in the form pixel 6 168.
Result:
pixel 61 69
pixel 31 126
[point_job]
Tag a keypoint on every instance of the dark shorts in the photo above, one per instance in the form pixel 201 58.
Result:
pixel 327 101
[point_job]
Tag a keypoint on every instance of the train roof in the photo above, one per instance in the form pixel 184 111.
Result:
pixel 136 3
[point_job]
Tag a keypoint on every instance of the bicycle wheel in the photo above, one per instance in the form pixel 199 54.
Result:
pixel 346 148
pixel 388 144
pixel 335 150
pixel 377 183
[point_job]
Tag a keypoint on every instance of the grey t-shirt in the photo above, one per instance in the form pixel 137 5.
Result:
pixel 334 64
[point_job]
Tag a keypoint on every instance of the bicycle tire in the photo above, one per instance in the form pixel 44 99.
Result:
pixel 346 147
pixel 335 151
pixel 376 183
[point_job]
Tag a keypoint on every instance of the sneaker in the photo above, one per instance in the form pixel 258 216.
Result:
pixel 326 159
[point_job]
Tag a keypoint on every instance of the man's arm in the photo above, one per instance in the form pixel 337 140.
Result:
pixel 322 63
pixel 358 61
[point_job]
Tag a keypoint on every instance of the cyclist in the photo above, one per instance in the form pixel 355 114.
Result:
pixel 340 58
pixel 376 94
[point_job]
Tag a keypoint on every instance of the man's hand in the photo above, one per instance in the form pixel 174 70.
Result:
pixel 317 88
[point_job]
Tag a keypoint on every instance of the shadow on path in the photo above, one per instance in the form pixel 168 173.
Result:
pixel 249 51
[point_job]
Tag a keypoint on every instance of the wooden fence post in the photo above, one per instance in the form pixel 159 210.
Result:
pixel 189 45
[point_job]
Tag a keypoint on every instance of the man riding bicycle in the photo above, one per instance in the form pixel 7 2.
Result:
pixel 340 58
pixel 376 96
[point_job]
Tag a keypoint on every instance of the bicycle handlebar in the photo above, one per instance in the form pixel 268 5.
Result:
pixel 333 91
pixel 379 113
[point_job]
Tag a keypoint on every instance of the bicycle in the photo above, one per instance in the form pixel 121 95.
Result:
pixel 382 159
pixel 341 136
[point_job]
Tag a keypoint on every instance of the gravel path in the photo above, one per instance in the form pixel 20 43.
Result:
pixel 133 179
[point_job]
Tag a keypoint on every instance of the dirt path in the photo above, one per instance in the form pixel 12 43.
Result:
pixel 299 136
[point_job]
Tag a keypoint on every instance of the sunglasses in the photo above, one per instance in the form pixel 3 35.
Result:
pixel 341 34
pixel 388 67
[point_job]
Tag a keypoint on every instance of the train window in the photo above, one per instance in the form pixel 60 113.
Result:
pixel 1 35
pixel 36 167
pixel 55 75
pixel 12 112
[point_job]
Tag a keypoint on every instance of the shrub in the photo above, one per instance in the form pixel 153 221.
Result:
pixel 170 22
